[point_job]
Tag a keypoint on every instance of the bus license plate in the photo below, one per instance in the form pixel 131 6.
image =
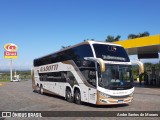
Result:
pixel 120 101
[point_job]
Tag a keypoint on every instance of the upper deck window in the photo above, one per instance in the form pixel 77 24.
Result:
pixel 76 54
pixel 111 52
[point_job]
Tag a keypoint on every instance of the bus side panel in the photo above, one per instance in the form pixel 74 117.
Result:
pixel 92 95
pixel 86 89
pixel 33 81
pixel 80 85
pixel 61 89
pixel 58 88
pixel 88 94
pixel 84 92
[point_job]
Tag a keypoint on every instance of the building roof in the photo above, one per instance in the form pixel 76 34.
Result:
pixel 143 45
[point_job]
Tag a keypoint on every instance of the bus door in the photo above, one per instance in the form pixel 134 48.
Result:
pixel 92 90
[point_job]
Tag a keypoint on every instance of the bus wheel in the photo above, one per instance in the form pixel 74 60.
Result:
pixel 41 90
pixel 69 96
pixel 77 97
pixel 38 88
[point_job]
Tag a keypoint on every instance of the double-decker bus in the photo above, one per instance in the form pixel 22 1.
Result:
pixel 93 72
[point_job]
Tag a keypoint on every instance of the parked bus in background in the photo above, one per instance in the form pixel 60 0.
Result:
pixel 92 72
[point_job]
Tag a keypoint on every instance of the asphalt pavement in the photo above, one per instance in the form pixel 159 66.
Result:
pixel 19 96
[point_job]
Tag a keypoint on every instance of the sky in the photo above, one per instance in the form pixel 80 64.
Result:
pixel 40 27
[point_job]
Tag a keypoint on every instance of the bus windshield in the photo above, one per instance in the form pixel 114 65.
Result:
pixel 111 52
pixel 116 77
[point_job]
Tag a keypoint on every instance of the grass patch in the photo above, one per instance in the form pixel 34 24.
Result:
pixel 4 80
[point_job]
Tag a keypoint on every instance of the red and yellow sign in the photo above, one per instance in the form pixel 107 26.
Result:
pixel 10 50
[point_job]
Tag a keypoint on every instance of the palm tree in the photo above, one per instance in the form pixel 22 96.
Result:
pixel 144 34
pixel 117 38
pixel 132 36
pixel 112 38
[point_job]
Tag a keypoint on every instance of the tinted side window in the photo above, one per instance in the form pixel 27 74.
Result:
pixel 35 62
pixel 80 52
pixel 76 54
pixel 52 77
pixel 83 51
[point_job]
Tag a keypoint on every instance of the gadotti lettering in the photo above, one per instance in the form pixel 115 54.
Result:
pixel 10 47
pixel 49 68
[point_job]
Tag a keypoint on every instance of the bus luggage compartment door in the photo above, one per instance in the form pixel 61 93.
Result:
pixel 92 96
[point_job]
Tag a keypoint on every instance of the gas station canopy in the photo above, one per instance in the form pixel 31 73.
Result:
pixel 144 47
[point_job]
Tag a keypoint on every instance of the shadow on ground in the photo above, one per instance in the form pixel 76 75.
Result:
pixel 86 104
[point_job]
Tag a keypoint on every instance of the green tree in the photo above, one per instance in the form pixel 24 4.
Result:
pixel 148 66
pixel 112 38
pixel 88 39
pixel 132 36
pixel 144 34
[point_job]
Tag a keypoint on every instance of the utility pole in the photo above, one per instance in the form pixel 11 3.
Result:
pixel 11 69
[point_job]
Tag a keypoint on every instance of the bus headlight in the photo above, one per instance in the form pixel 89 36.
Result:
pixel 104 94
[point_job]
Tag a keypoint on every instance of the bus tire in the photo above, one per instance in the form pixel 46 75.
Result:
pixel 41 90
pixel 38 89
pixel 69 97
pixel 77 97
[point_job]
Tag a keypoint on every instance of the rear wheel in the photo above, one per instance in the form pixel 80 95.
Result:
pixel 41 90
pixel 69 97
pixel 38 89
pixel 77 97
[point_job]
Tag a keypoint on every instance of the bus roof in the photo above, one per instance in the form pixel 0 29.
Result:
pixel 82 43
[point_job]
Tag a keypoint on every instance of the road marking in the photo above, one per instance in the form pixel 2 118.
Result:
pixel 1 84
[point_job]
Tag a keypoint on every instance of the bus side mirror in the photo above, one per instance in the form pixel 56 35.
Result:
pixel 140 64
pixel 98 60
pixel 102 65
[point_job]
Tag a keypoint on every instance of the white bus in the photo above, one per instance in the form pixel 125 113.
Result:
pixel 93 72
